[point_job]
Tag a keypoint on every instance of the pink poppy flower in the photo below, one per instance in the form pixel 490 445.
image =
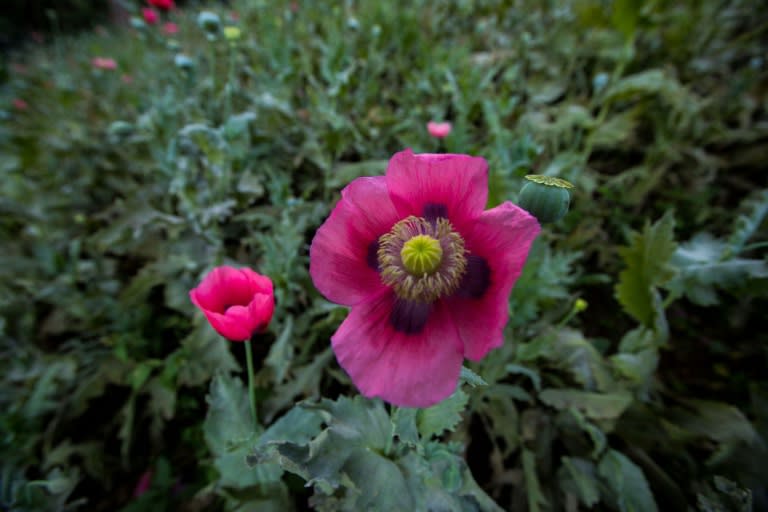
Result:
pixel 104 63
pixel 237 302
pixel 427 273
pixel 20 104
pixel 150 15
pixel 439 130
pixel 162 4
pixel 170 28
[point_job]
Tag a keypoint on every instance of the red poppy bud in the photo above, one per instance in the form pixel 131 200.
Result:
pixel 238 303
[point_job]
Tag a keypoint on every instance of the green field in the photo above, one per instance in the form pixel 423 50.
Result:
pixel 633 373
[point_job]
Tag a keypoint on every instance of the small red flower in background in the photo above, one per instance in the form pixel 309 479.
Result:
pixel 104 63
pixel 144 483
pixel 162 4
pixel 126 79
pixel 150 15
pixel 170 28
pixel 439 130
pixel 426 270
pixel 238 302
pixel 20 104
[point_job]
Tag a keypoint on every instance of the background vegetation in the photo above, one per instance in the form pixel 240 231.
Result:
pixel 121 188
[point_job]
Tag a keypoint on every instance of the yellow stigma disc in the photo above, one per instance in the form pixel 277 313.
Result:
pixel 421 255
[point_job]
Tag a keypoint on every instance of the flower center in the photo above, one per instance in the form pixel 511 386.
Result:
pixel 421 255
pixel 422 260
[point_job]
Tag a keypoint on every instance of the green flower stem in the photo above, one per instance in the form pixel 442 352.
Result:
pixel 251 388
pixel 393 413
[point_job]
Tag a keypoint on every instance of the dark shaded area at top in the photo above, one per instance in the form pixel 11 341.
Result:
pixel 21 18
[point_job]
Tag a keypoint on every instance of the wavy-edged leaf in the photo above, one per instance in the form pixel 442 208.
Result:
pixel 593 405
pixel 579 476
pixel 627 483
pixel 647 258
pixel 435 420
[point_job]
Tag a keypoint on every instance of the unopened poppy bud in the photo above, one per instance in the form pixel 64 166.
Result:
pixel 120 129
pixel 210 22
pixel 580 305
pixel 545 197
pixel 183 62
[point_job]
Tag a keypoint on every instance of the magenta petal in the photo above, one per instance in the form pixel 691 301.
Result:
pixel 502 237
pixel 457 182
pixel 258 283
pixel 339 252
pixel 260 311
pixel 222 287
pixel 416 370
pixel 235 325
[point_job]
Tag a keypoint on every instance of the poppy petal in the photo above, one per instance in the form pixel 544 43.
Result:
pixel 340 252
pixel 455 184
pixel 501 239
pixel 409 370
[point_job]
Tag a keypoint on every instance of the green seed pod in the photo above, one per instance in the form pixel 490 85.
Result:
pixel 210 23
pixel 545 197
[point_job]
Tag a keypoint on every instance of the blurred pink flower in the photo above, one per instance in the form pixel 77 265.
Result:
pixel 162 4
pixel 144 483
pixel 234 16
pixel 20 104
pixel 126 79
pixel 104 63
pixel 439 130
pixel 426 271
pixel 150 15
pixel 170 28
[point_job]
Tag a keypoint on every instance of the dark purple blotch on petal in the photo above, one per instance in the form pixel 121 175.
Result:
pixel 434 211
pixel 409 316
pixel 477 278
pixel 372 258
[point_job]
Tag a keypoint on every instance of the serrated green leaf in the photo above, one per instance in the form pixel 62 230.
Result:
pixel 627 483
pixel 531 374
pixel 344 173
pixel 574 353
pixel 281 352
pixel 723 495
pixel 647 259
pixel 229 432
pixel 701 269
pixel 305 380
pixel 205 354
pixel 718 421
pixel 579 476
pixel 347 464
pixel 404 421
pixel 596 434
pixel 617 130
pixel 593 405
pixel 648 82
pixel 435 420
pixel 469 377
pixel 747 224
pixel 533 488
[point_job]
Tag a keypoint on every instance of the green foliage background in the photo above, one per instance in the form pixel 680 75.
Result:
pixel 121 189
